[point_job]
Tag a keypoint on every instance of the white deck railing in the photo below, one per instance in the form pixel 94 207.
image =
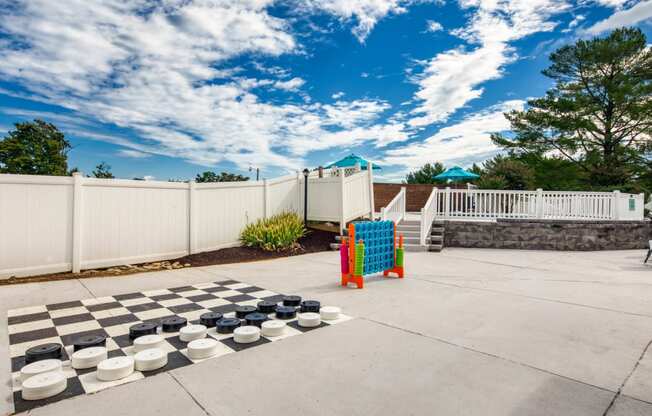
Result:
pixel 539 204
pixel 395 210
pixel 428 213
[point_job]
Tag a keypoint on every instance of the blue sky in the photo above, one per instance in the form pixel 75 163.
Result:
pixel 167 89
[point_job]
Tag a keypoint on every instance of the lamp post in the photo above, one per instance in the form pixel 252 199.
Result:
pixel 251 168
pixel 306 172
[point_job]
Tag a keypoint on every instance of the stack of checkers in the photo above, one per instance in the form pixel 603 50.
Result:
pixel 221 321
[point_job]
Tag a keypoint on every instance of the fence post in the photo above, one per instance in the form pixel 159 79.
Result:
pixel 616 205
pixel 371 189
pixel 403 203
pixel 447 202
pixel 299 205
pixel 192 217
pixel 539 204
pixel 342 202
pixel 77 213
pixel 266 209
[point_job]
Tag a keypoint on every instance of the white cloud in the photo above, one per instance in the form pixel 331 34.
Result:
pixel 463 143
pixel 432 26
pixel 635 14
pixel 612 3
pixel 133 154
pixel 573 23
pixel 452 78
pixel 290 85
pixel 163 71
pixel 366 13
pixel 338 95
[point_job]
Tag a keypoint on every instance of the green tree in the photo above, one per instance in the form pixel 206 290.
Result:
pixel 504 172
pixel 103 171
pixel 425 174
pixel 34 148
pixel 598 115
pixel 555 173
pixel 209 176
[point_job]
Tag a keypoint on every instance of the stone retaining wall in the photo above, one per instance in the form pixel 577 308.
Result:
pixel 549 234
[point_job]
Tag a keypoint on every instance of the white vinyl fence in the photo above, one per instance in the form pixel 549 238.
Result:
pixel 340 195
pixel 53 224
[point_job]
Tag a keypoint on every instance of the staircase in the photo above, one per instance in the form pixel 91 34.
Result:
pixel 410 230
pixel 409 223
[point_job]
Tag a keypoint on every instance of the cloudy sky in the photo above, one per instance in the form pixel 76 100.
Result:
pixel 170 88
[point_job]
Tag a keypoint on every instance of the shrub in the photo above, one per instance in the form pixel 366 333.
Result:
pixel 280 232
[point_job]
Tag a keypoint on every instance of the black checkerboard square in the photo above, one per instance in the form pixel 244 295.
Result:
pixel 166 296
pixel 103 306
pixel 128 296
pixel 64 305
pixel 72 319
pixel 23 319
pixel 239 298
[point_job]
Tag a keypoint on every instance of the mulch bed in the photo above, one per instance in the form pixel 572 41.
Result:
pixel 315 241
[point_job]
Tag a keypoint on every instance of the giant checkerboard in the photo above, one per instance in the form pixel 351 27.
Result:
pixel 112 316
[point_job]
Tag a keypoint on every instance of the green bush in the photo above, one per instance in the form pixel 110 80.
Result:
pixel 280 232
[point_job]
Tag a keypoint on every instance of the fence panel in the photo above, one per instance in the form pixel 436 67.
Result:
pixel 324 198
pixel 224 209
pixel 356 196
pixel 283 195
pixel 35 224
pixel 127 222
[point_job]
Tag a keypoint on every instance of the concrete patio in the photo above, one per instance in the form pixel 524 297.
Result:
pixel 467 332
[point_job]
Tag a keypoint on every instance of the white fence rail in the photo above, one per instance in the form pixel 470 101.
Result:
pixel 395 210
pixel 428 213
pixel 55 224
pixel 539 204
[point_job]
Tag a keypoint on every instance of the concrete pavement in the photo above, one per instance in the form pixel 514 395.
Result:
pixel 468 331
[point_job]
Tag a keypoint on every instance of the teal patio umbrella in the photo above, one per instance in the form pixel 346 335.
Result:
pixel 456 173
pixel 350 161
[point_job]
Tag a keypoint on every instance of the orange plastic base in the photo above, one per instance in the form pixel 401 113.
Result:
pixel 349 278
pixel 397 270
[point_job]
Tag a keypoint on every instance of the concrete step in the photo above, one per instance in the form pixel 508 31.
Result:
pixel 437 230
pixel 435 248
pixel 409 234
pixel 410 222
pixel 408 227
pixel 437 238
pixel 414 247
pixel 411 240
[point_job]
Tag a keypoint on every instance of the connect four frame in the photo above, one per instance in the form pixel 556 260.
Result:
pixel 372 247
